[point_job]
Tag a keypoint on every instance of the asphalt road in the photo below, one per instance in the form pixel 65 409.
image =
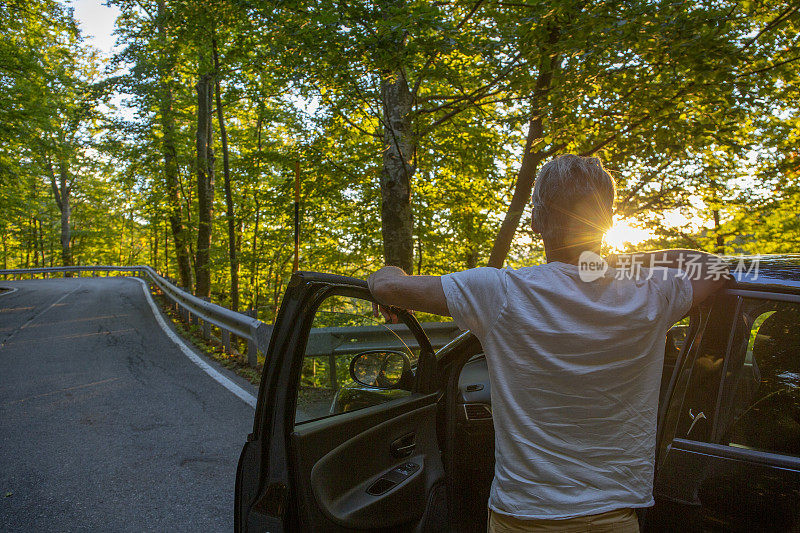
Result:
pixel 105 425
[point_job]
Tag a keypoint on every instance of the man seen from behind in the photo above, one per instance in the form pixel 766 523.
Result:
pixel 575 352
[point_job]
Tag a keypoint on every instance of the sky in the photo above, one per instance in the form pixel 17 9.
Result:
pixel 97 23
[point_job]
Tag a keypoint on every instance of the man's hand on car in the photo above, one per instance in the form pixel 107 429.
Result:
pixel 389 313
pixel 392 289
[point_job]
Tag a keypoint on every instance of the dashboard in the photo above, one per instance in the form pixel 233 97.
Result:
pixel 475 392
pixel 473 400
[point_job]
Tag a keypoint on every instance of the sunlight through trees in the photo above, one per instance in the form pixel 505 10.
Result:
pixel 418 128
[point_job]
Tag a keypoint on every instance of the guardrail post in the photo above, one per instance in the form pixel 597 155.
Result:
pixel 193 320
pixel 334 381
pixel 226 340
pixel 252 346
pixel 206 323
pixel 182 311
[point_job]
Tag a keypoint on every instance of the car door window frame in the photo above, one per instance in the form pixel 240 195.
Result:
pixel 676 397
pixel 721 386
pixel 426 363
pixel 697 323
pixel 267 500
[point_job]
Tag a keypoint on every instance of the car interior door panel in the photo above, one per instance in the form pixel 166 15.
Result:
pixel 354 478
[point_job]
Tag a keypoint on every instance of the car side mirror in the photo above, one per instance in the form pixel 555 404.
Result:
pixel 382 369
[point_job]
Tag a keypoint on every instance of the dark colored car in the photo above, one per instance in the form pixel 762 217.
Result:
pixel 728 454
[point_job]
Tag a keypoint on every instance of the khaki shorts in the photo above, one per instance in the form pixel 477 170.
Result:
pixel 616 521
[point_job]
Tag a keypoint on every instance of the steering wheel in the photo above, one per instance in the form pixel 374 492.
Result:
pixel 772 423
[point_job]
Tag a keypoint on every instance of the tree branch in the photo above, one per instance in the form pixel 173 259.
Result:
pixel 783 15
pixel 433 56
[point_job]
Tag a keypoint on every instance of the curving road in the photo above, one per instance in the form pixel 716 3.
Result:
pixel 105 425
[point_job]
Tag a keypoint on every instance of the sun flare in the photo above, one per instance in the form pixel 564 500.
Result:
pixel 622 233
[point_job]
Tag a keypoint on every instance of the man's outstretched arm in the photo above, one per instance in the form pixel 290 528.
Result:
pixel 706 272
pixel 390 286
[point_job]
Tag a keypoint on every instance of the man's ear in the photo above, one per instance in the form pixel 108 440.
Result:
pixel 535 223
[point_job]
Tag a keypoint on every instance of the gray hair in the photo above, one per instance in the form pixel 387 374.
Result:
pixel 572 192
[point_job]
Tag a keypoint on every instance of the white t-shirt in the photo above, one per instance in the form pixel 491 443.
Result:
pixel 575 370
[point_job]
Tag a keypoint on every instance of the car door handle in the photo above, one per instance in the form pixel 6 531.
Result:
pixel 404 446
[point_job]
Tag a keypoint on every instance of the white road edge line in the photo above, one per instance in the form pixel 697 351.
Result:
pixel 15 289
pixel 242 394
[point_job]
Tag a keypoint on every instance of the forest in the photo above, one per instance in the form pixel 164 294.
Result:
pixel 404 132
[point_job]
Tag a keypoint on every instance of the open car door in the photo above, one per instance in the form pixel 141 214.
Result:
pixel 327 454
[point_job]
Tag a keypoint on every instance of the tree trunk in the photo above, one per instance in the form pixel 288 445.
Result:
pixel 36 237
pixel 154 253
pixel 41 241
pixel 169 153
pixel 66 214
pixel 33 244
pixel 61 194
pixel 396 218
pixel 5 249
pixel 28 247
pixel 166 252
pixel 233 258
pixel 521 197
pixel 530 159
pixel 720 238
pixel 254 263
pixel 205 179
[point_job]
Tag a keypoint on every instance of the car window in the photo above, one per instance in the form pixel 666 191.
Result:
pixel 343 327
pixel 702 374
pixel 676 338
pixel 763 404
pixel 440 330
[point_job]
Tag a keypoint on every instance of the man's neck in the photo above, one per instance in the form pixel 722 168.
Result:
pixel 570 253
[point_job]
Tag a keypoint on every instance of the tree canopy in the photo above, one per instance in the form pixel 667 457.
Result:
pixel 416 129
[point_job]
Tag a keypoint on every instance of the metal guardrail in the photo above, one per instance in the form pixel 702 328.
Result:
pixel 323 342
pixel 192 308
pixel 354 339
pixel 329 343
